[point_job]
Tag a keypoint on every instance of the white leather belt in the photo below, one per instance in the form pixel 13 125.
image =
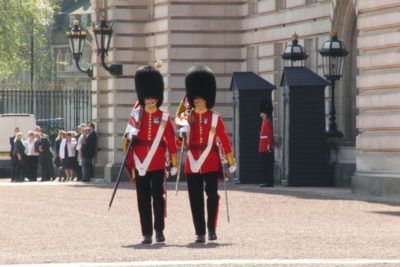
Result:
pixel 195 165
pixel 143 166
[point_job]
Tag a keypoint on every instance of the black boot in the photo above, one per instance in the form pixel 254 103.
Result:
pixel 147 239
pixel 160 236
pixel 212 235
pixel 200 239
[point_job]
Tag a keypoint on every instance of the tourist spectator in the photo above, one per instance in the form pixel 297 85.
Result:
pixel 80 140
pixel 42 146
pixel 57 161
pixel 19 154
pixel 88 150
pixel 78 169
pixel 31 163
pixel 14 159
pixel 67 155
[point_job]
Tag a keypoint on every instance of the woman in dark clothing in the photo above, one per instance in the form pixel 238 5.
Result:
pixel 19 153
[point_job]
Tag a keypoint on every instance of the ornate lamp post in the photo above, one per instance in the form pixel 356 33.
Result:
pixel 103 31
pixel 294 55
pixel 76 39
pixel 333 52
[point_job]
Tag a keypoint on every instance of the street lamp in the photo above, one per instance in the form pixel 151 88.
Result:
pixel 103 31
pixel 294 55
pixel 76 39
pixel 333 52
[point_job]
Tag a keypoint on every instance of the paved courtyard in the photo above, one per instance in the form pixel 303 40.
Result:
pixel 70 223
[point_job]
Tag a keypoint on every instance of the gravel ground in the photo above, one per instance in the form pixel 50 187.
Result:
pixel 70 222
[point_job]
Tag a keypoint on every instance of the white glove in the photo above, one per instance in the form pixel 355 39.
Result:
pixel 232 168
pixel 183 131
pixel 173 171
pixel 133 132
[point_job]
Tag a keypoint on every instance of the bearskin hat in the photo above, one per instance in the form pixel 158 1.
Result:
pixel 149 83
pixel 200 82
pixel 266 107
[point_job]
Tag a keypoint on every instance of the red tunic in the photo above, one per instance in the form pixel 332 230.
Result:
pixel 149 125
pixel 266 136
pixel 198 138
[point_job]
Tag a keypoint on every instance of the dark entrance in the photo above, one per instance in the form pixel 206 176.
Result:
pixel 248 89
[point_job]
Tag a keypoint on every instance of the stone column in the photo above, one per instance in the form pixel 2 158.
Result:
pixel 378 100
pixel 115 96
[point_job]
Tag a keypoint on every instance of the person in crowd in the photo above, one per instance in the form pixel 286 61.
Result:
pixel 88 150
pixel 31 165
pixel 57 160
pixel 39 130
pixel 85 132
pixel 153 135
pixel 78 170
pixel 266 145
pixel 19 154
pixel 42 146
pixel 203 163
pixel 14 159
pixel 67 155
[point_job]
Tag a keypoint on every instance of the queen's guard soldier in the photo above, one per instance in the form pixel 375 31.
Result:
pixel 203 166
pixel 266 144
pixel 153 135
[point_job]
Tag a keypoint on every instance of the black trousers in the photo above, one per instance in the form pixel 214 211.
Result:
pixel 195 184
pixel 19 170
pixel 31 167
pixel 47 168
pixel 150 187
pixel 268 167
pixel 14 167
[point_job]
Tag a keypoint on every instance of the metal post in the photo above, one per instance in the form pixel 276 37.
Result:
pixel 333 132
pixel 32 60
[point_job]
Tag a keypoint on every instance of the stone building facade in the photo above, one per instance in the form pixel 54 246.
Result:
pixel 250 35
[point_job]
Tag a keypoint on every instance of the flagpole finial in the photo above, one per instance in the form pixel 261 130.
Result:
pixel 158 64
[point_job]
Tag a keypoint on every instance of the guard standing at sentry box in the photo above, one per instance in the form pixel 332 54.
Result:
pixel 153 135
pixel 266 144
pixel 203 164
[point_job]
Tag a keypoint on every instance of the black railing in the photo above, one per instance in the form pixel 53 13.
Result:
pixel 54 105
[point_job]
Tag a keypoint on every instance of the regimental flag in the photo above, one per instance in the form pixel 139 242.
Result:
pixel 133 122
pixel 183 112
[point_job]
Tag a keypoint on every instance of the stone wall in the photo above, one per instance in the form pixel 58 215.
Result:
pixel 228 36
pixel 378 100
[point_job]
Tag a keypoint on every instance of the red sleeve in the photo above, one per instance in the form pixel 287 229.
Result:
pixel 169 137
pixel 223 136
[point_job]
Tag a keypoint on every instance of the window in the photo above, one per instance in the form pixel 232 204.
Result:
pixel 252 7
pixel 152 56
pixel 308 46
pixel 280 4
pixel 151 9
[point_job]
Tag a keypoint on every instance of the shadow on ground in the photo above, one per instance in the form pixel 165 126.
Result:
pixel 190 245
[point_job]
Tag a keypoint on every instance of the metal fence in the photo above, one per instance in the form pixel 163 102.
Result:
pixel 54 105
